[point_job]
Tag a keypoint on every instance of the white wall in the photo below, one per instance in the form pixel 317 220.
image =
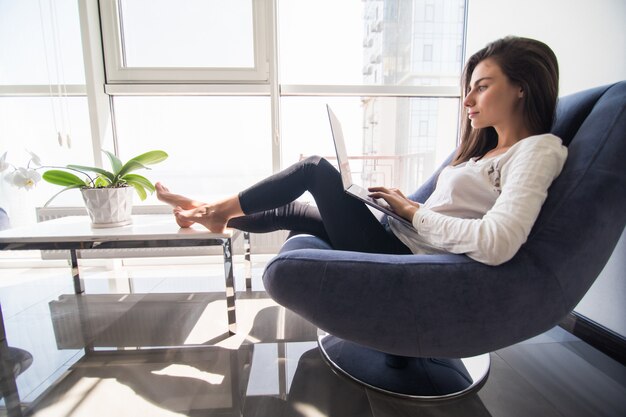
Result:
pixel 588 36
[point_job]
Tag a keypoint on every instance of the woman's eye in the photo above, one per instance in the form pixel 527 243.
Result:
pixel 482 88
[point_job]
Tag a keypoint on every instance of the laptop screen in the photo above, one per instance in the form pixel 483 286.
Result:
pixel 340 149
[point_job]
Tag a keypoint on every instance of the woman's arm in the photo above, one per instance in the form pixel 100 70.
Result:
pixel 498 235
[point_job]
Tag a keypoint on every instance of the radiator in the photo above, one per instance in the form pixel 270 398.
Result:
pixel 261 243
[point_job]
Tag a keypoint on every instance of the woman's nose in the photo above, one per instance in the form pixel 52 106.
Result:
pixel 468 101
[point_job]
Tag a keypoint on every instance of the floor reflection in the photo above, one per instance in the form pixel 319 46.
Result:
pixel 209 380
pixel 169 354
pixel 300 384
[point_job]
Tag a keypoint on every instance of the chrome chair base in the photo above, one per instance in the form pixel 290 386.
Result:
pixel 409 377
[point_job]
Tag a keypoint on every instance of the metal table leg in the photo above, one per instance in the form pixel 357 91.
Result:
pixel 230 286
pixel 78 285
pixel 247 259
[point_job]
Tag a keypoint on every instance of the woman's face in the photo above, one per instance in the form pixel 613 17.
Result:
pixel 492 100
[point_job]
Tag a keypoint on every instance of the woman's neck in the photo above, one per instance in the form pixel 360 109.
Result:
pixel 510 136
pixel 506 139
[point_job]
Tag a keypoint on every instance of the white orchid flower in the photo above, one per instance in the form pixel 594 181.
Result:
pixel 34 158
pixel 3 162
pixel 24 178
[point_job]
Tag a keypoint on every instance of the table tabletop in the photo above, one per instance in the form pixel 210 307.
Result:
pixel 78 229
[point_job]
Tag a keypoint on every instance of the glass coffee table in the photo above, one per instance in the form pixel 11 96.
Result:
pixel 74 234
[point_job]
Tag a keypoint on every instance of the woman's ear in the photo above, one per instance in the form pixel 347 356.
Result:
pixel 520 93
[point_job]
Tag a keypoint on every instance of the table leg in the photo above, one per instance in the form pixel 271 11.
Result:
pixel 83 314
pixel 247 259
pixel 230 286
pixel 85 323
pixel 78 285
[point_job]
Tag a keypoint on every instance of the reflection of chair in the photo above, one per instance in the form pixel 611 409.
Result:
pixel 276 324
pixel 396 310
pixel 13 362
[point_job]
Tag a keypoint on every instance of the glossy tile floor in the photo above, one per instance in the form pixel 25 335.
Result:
pixel 90 355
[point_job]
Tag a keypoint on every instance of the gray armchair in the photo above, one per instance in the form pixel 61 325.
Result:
pixel 399 323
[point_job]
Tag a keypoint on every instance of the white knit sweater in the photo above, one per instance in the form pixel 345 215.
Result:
pixel 486 208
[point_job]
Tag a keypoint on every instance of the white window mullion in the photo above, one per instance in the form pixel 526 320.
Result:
pixel 370 90
pixel 272 42
pixel 187 89
pixel 100 114
pixel 69 90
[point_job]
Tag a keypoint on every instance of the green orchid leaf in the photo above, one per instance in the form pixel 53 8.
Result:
pixel 130 166
pixel 133 179
pixel 63 178
pixel 102 181
pixel 151 157
pixel 141 192
pixel 100 171
pixel 140 161
pixel 71 187
pixel 116 163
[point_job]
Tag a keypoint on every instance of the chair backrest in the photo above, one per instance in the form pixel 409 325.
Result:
pixel 585 212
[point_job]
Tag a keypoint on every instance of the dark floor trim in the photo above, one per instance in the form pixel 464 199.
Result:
pixel 598 336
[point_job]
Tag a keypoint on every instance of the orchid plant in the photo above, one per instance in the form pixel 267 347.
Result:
pixel 119 176
pixel 25 177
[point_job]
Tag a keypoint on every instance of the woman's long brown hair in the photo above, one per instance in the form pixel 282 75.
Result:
pixel 526 62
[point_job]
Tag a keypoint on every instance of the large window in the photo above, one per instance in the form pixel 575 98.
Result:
pixel 234 90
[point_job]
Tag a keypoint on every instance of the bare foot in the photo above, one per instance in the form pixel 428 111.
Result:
pixel 205 215
pixel 181 222
pixel 175 200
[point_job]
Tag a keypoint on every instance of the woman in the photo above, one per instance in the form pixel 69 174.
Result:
pixel 485 202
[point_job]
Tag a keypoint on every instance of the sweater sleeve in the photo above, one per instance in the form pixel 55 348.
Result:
pixel 497 236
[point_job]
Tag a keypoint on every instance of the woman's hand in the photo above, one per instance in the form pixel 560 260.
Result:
pixel 396 200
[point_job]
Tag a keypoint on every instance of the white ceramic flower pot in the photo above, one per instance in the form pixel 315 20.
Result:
pixel 109 207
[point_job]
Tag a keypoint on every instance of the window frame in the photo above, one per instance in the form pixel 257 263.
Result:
pixel 101 87
pixel 117 73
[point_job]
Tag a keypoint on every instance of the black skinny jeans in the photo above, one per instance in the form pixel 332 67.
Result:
pixel 343 221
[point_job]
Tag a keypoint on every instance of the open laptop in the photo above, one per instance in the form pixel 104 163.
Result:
pixel 349 187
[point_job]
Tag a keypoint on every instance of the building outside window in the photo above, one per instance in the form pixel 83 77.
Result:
pixel 410 30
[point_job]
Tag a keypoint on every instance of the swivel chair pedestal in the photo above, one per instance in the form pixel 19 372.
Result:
pixel 410 377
